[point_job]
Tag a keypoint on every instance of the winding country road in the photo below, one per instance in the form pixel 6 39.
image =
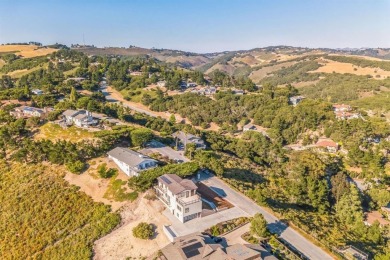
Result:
pixel 291 236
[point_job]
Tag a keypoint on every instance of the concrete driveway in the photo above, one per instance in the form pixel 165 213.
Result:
pixel 157 147
pixel 234 237
pixel 200 224
pixel 275 226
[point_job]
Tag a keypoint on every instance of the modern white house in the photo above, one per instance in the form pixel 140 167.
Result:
pixel 131 162
pixel 80 118
pixel 180 196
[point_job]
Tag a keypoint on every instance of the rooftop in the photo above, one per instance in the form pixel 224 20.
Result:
pixel 130 157
pixel 176 184
pixel 326 143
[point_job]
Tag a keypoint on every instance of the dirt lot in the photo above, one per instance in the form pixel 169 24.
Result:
pixel 94 186
pixel 27 51
pixel 120 244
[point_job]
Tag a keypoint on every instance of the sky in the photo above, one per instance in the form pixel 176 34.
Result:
pixel 198 25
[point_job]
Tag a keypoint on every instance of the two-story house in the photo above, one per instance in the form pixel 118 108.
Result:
pixel 131 162
pixel 80 118
pixel 180 196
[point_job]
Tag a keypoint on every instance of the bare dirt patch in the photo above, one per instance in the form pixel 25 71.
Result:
pixel 92 185
pixel 120 244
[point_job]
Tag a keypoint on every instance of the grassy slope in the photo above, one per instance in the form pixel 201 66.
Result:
pixel 42 216
pixel 55 132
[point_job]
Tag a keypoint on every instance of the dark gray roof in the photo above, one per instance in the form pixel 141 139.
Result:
pixel 250 126
pixel 70 112
pixel 187 138
pixel 130 157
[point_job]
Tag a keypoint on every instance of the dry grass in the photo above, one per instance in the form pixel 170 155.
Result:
pixel 330 66
pixel 27 51
pixel 121 244
pixel 258 75
pixel 55 132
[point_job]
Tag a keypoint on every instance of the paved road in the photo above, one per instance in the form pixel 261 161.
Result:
pixel 167 151
pixel 112 99
pixel 275 226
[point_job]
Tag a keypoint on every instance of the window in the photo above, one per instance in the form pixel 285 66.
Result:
pixel 187 194
pixel 187 210
pixel 178 208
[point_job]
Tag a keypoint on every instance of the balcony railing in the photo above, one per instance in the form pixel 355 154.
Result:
pixel 161 195
pixel 187 201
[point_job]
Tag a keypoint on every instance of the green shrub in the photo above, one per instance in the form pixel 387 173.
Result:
pixel 143 231
pixel 76 166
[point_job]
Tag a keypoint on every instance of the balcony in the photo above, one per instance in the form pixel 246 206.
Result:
pixel 161 194
pixel 190 200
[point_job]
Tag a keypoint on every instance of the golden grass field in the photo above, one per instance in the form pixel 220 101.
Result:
pixel 258 75
pixel 330 66
pixel 27 51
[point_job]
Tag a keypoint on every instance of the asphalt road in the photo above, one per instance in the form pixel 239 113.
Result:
pixel 112 99
pixel 275 226
pixel 167 151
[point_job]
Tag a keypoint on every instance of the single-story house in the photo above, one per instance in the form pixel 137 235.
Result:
pixel 25 111
pixel 341 108
pixel 131 162
pixel 136 73
pixel 77 79
pixel 80 118
pixel 37 92
pixel 238 91
pixel 161 83
pixel 248 127
pixel 346 115
pixel 188 139
pixel 329 145
pixel 295 100
pixel 197 246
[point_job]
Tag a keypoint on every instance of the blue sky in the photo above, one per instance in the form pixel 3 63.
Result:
pixel 199 25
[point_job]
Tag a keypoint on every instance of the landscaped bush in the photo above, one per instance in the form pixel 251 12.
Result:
pixel 106 173
pixel 224 227
pixel 143 231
